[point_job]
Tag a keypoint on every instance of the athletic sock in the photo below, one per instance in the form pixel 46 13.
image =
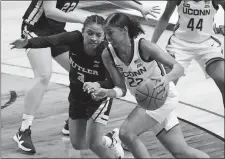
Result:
pixel 27 121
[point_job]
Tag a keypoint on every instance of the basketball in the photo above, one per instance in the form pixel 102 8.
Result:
pixel 148 97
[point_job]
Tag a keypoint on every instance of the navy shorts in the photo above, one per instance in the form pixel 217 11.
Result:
pixel 32 32
pixel 98 111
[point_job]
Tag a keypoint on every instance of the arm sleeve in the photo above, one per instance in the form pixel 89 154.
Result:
pixel 66 38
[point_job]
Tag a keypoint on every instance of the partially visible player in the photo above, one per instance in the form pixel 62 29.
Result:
pixel 44 18
pixel 85 65
pixel 194 38
pixel 132 60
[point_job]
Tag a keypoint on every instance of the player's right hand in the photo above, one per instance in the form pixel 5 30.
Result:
pixel 149 10
pixel 19 43
pixel 94 97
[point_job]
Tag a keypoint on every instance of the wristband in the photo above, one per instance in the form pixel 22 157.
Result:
pixel 119 92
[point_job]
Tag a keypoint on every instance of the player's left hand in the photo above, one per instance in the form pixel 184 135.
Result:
pixel 163 82
pixel 19 43
pixel 149 10
pixel 90 87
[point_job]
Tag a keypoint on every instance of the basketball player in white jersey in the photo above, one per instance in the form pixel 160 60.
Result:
pixel 45 18
pixel 194 38
pixel 131 60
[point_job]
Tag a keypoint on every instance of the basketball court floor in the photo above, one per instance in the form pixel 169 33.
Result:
pixel 200 110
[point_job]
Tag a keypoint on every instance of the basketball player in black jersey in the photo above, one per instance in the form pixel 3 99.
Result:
pixel 85 65
pixel 44 18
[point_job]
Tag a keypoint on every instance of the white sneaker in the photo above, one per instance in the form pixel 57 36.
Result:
pixel 116 144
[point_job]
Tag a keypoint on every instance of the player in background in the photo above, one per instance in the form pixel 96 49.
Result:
pixel 86 65
pixel 44 18
pixel 125 56
pixel 194 38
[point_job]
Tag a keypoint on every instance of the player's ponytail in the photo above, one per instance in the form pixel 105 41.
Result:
pixel 122 20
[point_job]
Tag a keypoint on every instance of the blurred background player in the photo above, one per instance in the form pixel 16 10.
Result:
pixel 44 18
pixel 194 38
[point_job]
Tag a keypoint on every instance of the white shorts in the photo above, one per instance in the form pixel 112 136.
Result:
pixel 165 116
pixel 204 53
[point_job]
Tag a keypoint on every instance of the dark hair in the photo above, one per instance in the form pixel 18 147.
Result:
pixel 93 19
pixel 121 20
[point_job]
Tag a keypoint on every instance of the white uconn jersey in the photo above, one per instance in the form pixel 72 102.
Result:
pixel 196 20
pixel 138 70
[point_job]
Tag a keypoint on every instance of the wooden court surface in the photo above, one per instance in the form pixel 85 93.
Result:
pixel 46 130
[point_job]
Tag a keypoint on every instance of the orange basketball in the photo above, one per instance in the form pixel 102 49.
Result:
pixel 148 98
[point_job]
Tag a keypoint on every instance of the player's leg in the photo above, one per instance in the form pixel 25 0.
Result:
pixel 61 56
pixel 211 59
pixel 216 71
pixel 78 123
pixel 170 135
pixel 137 122
pixel 40 60
pixel 96 127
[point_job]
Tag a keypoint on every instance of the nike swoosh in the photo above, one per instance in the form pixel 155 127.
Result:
pixel 74 54
pixel 19 137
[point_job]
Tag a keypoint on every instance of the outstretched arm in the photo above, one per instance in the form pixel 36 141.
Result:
pixel 164 20
pixel 136 5
pixel 66 38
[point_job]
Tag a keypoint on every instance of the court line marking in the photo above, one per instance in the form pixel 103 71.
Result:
pixel 181 102
pixel 193 106
pixel 13 97
pixel 199 127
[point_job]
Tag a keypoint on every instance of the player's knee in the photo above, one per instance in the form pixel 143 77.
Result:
pixel 45 78
pixel 126 135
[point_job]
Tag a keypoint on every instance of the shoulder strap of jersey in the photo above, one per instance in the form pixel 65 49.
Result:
pixel 111 52
pixel 216 6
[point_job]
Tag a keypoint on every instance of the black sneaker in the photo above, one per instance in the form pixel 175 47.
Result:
pixel 23 139
pixel 65 129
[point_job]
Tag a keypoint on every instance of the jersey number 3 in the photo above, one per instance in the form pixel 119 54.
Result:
pixel 191 24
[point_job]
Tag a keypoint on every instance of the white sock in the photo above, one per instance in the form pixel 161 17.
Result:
pixel 27 121
pixel 106 141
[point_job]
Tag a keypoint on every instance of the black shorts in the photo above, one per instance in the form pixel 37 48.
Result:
pixel 98 111
pixel 32 32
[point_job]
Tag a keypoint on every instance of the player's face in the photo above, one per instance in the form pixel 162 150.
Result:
pixel 114 35
pixel 93 35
